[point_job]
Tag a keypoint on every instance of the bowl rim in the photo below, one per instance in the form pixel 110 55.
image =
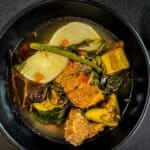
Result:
pixel 41 3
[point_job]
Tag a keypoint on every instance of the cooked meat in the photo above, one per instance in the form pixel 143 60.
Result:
pixel 70 83
pixel 78 129
pixel 72 68
pixel 80 94
pixel 69 77
pixel 95 128
pixel 85 96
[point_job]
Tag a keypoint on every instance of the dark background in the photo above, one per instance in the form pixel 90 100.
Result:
pixel 135 12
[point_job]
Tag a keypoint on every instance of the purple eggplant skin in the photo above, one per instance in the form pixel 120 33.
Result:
pixel 27 92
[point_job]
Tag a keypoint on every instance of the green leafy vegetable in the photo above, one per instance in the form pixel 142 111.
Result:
pixel 76 47
pixel 55 116
pixel 46 112
pixel 57 87
pixel 119 82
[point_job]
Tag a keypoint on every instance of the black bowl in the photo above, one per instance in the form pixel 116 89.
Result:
pixel 23 22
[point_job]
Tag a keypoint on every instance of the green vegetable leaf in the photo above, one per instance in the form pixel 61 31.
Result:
pixel 80 45
pixel 119 83
pixel 55 116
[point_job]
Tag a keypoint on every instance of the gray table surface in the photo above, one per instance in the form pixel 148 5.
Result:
pixel 132 11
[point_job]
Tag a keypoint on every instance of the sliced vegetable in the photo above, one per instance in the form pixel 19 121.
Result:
pixel 42 67
pixel 101 115
pixel 27 92
pixel 112 104
pixel 54 116
pixel 45 112
pixel 43 106
pixel 115 61
pixel 62 52
pixel 109 114
pixel 77 35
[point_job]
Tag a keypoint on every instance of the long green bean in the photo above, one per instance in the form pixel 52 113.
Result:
pixel 61 51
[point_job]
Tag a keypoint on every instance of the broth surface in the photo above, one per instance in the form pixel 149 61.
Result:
pixel 42 33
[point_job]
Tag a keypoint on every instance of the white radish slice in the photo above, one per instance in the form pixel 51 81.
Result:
pixel 74 33
pixel 43 67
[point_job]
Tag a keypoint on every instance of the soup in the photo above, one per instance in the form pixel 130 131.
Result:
pixel 70 78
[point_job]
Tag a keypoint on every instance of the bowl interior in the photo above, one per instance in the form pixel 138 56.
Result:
pixel 43 11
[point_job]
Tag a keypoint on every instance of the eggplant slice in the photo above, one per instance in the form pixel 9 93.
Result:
pixel 26 91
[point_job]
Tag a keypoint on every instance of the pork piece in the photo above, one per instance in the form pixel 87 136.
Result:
pixel 95 128
pixel 85 96
pixel 68 79
pixel 26 91
pixel 78 129
pixel 79 93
